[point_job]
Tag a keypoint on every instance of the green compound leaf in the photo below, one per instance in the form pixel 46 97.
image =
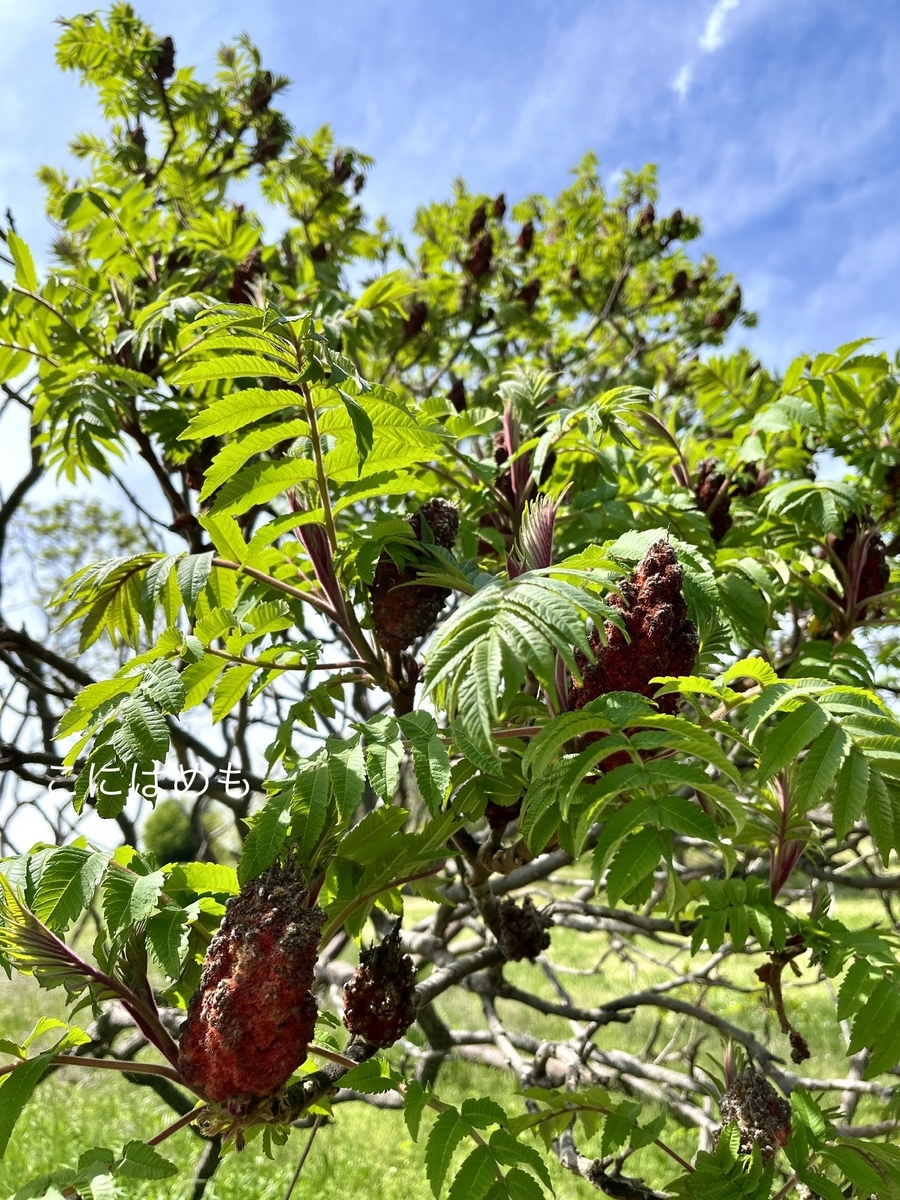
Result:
pixel 446 1134
pixel 268 830
pixel 16 1090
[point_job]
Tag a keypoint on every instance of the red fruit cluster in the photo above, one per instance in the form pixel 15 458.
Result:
pixel 713 497
pixel 661 640
pixel 529 293
pixel 457 395
pixel 261 92
pixel 522 931
pixel 252 1017
pixel 380 997
pixel 761 1115
pixel 478 222
pixel 402 614
pixel 164 66
pixel 479 261
pixel 866 562
pixel 271 139
pixel 341 168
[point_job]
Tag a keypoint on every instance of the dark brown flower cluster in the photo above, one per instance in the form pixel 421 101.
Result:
pixel 402 614
pixel 761 1115
pixel 252 1017
pixel 522 930
pixel 660 640
pixel 380 997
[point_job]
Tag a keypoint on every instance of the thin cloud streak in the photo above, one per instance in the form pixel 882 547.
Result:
pixel 682 81
pixel 713 32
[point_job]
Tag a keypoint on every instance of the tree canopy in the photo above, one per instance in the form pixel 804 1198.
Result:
pixel 469 598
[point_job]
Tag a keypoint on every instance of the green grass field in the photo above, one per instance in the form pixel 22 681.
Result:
pixel 367 1152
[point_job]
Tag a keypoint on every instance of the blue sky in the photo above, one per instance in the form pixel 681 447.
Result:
pixel 776 120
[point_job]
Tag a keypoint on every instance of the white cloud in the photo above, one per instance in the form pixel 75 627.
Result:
pixel 712 36
pixel 710 40
pixel 682 80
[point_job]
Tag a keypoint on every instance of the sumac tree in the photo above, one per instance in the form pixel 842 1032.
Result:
pixel 499 608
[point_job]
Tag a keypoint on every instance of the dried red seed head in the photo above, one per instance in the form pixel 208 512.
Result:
pixel 261 91
pixel 271 140
pixel 525 240
pixel 498 816
pixel 457 395
pixel 164 67
pixel 478 222
pixel 872 572
pixel 522 931
pixel 244 275
pixel 415 320
pixel 800 1050
pixel 341 168
pixel 402 614
pixel 529 293
pixel 252 1017
pixel 380 997
pixel 479 261
pixel 661 640
pixel 713 498
pixel 761 1115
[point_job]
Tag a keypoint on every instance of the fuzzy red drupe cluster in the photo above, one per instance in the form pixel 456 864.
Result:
pixel 660 641
pixel 403 614
pixel 252 1017
pixel 380 997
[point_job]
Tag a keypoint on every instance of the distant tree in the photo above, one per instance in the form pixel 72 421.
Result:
pixel 466 568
